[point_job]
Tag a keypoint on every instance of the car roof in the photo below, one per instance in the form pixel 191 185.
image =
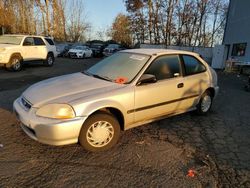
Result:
pixel 152 51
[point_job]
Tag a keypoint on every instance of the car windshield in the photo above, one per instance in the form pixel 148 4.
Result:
pixel 78 47
pixel 113 46
pixel 10 39
pixel 120 68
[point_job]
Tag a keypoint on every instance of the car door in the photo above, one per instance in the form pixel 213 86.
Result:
pixel 195 80
pixel 163 97
pixel 40 48
pixel 29 49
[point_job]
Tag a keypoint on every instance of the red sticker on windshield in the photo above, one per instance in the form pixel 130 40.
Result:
pixel 121 80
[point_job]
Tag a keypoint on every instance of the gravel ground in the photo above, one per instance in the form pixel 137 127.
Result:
pixel 159 154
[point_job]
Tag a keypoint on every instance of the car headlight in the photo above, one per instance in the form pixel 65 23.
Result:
pixel 56 111
pixel 2 49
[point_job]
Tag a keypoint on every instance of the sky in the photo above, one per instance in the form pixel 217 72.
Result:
pixel 101 13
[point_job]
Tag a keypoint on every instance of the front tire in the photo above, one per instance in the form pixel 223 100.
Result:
pixel 49 62
pixel 15 63
pixel 205 103
pixel 100 132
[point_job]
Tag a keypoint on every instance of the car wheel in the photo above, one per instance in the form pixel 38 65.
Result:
pixel 15 63
pixel 100 132
pixel 205 103
pixel 49 60
pixel 83 55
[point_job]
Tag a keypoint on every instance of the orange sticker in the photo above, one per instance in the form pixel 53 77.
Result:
pixel 121 80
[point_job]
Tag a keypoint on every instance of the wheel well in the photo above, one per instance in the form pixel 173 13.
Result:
pixel 16 54
pixel 212 91
pixel 116 113
pixel 51 53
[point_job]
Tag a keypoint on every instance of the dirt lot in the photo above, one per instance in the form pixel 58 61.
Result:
pixel 160 154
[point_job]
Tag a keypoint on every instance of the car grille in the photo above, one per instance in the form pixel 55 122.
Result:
pixel 26 103
pixel 72 54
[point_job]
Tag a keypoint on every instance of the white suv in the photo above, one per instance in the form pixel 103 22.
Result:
pixel 14 49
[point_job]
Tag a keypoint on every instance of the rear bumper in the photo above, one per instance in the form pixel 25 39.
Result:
pixel 45 130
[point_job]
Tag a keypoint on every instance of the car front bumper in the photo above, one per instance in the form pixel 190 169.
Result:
pixel 45 130
pixel 4 58
pixel 216 88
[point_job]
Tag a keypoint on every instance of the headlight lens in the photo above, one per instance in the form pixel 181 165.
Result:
pixel 56 111
pixel 2 49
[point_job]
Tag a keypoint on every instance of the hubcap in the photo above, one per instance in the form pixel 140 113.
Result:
pixel 16 64
pixel 50 60
pixel 100 133
pixel 206 103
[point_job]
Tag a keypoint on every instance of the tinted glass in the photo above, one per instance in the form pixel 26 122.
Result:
pixel 49 41
pixel 38 41
pixel 165 67
pixel 124 66
pixel 192 65
pixel 28 41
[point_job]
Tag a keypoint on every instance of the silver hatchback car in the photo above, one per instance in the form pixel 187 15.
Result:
pixel 125 90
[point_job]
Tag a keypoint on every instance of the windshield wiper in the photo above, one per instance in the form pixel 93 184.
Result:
pixel 98 76
pixel 102 77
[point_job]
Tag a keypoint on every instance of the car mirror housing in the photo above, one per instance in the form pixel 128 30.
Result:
pixel 147 79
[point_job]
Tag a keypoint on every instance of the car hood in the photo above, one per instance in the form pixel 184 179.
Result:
pixel 74 50
pixel 67 88
pixel 7 45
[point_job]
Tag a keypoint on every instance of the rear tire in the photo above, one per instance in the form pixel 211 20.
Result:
pixel 15 63
pixel 100 132
pixel 49 62
pixel 205 103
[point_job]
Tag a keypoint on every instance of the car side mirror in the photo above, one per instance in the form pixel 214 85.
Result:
pixel 147 79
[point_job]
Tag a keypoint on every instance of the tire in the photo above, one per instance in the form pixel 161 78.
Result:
pixel 83 56
pixel 89 141
pixel 49 62
pixel 15 63
pixel 205 103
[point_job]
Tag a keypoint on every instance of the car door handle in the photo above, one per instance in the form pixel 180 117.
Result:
pixel 180 85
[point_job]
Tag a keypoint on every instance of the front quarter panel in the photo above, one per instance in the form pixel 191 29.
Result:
pixel 122 100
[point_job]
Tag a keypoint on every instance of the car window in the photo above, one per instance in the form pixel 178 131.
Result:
pixel 49 41
pixel 192 65
pixel 165 67
pixel 28 41
pixel 38 41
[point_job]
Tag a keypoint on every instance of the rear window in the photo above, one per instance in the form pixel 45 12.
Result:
pixel 49 41
pixel 192 65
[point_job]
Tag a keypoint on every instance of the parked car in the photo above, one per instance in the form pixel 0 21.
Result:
pixel 80 52
pixel 111 49
pixel 62 50
pixel 97 49
pixel 15 49
pixel 93 106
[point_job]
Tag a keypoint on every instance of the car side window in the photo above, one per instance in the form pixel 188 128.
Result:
pixel 49 41
pixel 28 41
pixel 192 65
pixel 165 67
pixel 38 41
